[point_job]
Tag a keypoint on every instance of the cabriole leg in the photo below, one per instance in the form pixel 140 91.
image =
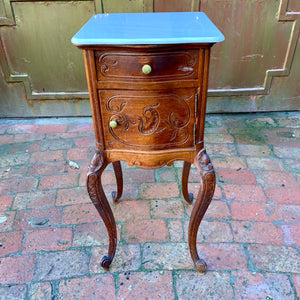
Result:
pixel 206 191
pixel 119 178
pixel 188 197
pixel 97 195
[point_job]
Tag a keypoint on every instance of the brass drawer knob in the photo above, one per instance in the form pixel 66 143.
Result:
pixel 146 69
pixel 113 124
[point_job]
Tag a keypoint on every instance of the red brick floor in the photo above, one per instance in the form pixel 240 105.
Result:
pixel 51 237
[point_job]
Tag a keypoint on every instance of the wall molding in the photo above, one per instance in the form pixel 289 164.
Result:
pixel 282 16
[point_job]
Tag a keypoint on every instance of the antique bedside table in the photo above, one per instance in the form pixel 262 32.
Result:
pixel 147 76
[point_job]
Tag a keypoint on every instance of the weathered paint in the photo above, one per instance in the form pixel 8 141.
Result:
pixel 176 5
pixel 293 6
pixel 255 42
pixel 127 6
pixel 41 49
pixel 257 68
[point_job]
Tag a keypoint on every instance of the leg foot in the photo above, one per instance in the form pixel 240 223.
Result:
pixel 207 188
pixel 119 178
pixel 188 197
pixel 201 266
pixel 105 262
pixel 99 200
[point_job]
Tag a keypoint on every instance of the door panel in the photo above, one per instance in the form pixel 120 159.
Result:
pixel 148 120
pixel 38 50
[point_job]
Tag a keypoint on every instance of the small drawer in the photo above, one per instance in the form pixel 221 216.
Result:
pixel 146 67
pixel 148 120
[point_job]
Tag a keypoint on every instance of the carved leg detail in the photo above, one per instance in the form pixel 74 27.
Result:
pixel 119 178
pixel 188 197
pixel 99 199
pixel 207 188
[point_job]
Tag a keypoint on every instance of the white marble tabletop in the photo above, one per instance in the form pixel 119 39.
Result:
pixel 148 28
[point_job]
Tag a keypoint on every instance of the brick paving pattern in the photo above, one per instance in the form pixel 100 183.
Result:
pixel 52 238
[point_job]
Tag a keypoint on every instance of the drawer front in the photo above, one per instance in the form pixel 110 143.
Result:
pixel 127 66
pixel 148 120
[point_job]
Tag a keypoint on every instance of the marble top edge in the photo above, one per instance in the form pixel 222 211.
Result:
pixel 148 28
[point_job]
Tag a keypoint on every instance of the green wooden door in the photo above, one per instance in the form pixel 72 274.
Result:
pixel 257 68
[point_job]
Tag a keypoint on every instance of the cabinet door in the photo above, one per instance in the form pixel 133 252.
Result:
pixel 148 120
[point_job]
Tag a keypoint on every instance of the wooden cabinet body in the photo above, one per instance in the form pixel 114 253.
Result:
pixel 160 112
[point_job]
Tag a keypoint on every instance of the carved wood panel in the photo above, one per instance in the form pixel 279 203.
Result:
pixel 121 69
pixel 148 120
pixel 166 65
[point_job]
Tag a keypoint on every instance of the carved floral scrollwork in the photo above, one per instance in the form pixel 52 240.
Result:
pixel 147 123
pixel 107 63
pixel 154 165
pixel 208 173
pixel 116 110
pixel 97 162
pixel 204 161
pixel 95 168
pixel 189 66
pixel 123 119
pixel 151 116
pixel 177 126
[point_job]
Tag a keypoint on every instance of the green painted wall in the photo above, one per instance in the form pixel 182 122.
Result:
pixel 257 67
